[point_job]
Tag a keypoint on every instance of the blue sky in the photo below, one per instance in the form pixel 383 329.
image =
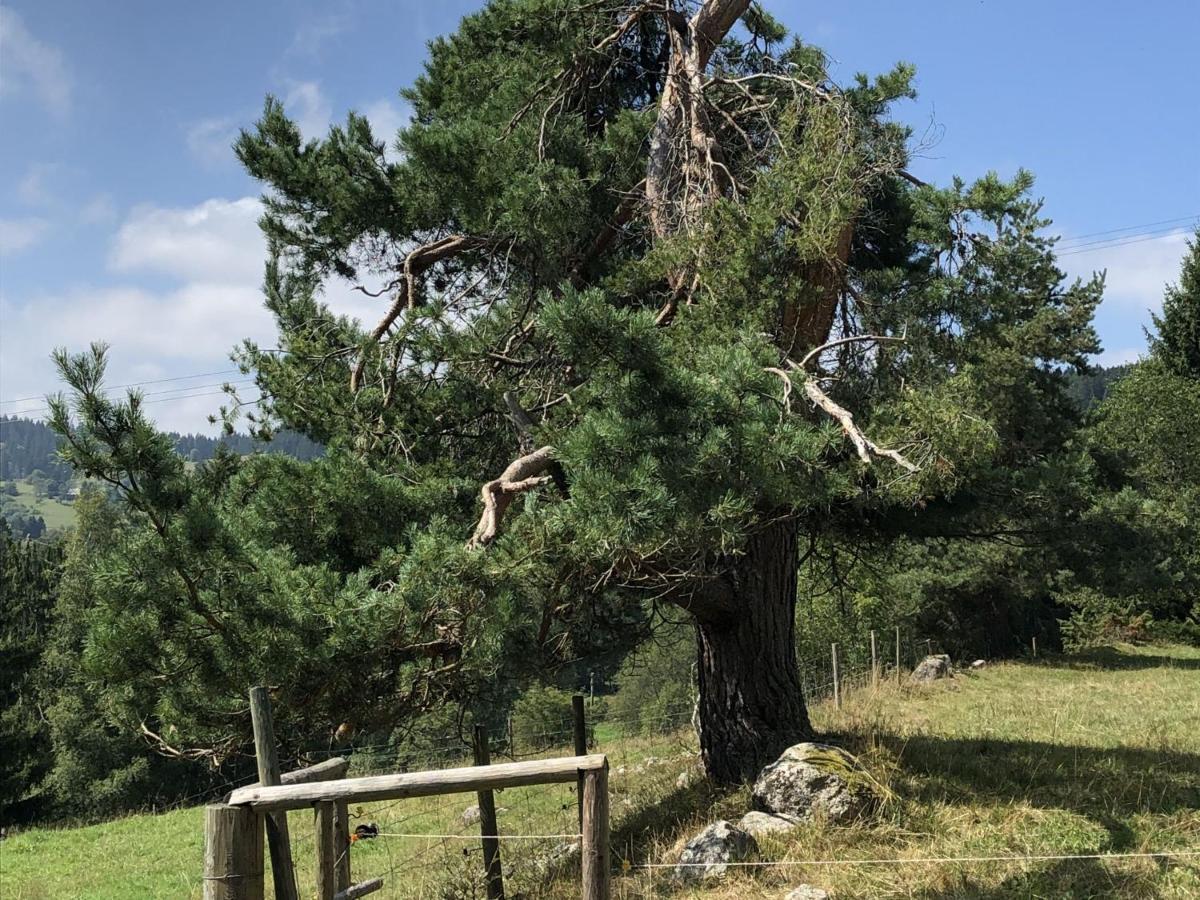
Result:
pixel 124 216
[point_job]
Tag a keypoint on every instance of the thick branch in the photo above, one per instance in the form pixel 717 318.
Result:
pixel 416 263
pixel 523 474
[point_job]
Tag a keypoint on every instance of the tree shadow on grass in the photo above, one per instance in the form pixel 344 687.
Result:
pixel 1108 786
pixel 1113 659
pixel 1068 879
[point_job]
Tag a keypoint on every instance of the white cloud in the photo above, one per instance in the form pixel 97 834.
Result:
pixel 30 65
pixel 1136 272
pixel 20 234
pixel 307 105
pixel 1121 357
pixel 217 241
pixel 386 119
pixel 211 140
pixel 212 255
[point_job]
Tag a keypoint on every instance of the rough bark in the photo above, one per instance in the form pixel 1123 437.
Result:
pixel 751 704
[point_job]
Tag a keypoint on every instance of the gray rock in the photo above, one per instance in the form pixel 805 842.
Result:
pixel 757 823
pixel 931 668
pixel 684 781
pixel 709 853
pixel 815 780
pixel 470 815
pixel 807 892
pixel 979 664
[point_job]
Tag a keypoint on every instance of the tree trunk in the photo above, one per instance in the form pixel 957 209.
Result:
pixel 751 704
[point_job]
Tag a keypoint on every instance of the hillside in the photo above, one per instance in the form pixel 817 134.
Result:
pixel 1095 753
pixel 37 488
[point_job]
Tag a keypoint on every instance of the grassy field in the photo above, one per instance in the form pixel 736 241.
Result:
pixel 1096 753
pixel 53 513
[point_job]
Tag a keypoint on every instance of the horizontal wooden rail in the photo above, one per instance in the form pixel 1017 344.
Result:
pixel 418 784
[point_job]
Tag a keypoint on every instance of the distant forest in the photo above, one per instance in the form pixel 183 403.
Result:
pixel 27 447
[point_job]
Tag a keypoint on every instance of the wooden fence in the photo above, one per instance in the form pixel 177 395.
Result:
pixel 234 831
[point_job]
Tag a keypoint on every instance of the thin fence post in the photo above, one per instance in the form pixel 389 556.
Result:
pixel 341 811
pixel 579 726
pixel 837 686
pixel 512 747
pixel 325 837
pixel 487 823
pixel 874 660
pixel 594 849
pixel 233 853
pixel 1035 647
pixel 929 646
pixel 283 872
pixel 897 654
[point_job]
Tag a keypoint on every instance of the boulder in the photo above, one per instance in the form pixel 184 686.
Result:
pixel 812 780
pixel 931 668
pixel 756 823
pixel 806 892
pixel 709 853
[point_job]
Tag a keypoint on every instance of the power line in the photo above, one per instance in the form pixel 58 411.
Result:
pixel 1193 217
pixel 1136 239
pixel 118 387
pixel 46 410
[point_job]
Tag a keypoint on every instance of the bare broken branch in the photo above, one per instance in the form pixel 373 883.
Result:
pixel 867 449
pixel 523 474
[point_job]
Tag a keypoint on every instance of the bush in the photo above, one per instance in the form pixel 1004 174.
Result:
pixel 656 684
pixel 542 718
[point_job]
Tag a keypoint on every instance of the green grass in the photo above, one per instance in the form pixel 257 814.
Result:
pixel 1094 753
pixel 54 513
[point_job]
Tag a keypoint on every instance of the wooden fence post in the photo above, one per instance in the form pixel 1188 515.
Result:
pixel 1035 648
pixel 487 823
pixel 595 850
pixel 233 853
pixel 325 837
pixel 874 661
pixel 897 654
pixel 341 842
pixel 837 684
pixel 282 871
pixel 581 748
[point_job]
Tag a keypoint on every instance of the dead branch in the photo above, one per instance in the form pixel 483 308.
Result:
pixel 867 449
pixel 816 352
pixel 524 474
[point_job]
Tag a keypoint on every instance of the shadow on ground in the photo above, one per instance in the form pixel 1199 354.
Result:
pixel 1069 879
pixel 1112 659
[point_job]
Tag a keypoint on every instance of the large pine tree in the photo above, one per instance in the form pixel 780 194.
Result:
pixel 659 307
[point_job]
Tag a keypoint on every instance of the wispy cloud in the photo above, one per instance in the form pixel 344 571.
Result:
pixel 32 66
pixel 17 235
pixel 1137 270
pixel 307 105
pixel 386 119
pixel 99 210
pixel 313 35
pixel 211 140
pixel 34 188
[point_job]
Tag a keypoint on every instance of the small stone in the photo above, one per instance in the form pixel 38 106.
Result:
pixel 806 892
pixel 470 815
pixel 684 781
pixel 979 664
pixel 756 823
pixel 709 853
